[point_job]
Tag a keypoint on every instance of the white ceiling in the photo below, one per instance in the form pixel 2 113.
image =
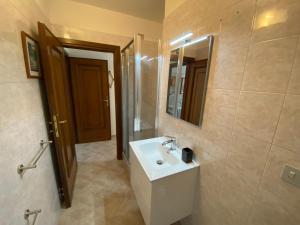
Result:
pixel 147 9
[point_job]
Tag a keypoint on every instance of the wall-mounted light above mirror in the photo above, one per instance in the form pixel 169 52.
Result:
pixel 188 76
pixel 181 38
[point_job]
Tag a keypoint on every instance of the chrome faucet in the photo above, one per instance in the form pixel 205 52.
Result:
pixel 171 140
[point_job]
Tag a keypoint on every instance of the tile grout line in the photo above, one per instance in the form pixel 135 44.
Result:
pixel 249 91
pixel 250 210
pixel 276 39
pixel 244 70
pixel 293 65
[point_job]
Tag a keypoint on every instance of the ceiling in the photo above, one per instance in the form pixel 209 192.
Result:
pixel 147 9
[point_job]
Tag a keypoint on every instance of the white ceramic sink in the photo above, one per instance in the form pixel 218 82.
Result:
pixel 164 192
pixel 150 151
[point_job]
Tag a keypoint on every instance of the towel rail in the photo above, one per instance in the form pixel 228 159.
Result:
pixel 33 164
pixel 28 213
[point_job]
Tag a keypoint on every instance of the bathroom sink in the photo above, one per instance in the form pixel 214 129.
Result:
pixel 157 160
pixel 164 185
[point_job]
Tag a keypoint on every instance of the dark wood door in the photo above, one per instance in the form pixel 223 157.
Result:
pixel 91 99
pixel 193 90
pixel 55 77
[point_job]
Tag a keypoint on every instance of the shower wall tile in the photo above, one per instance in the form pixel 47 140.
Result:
pixel 255 49
pixel 258 114
pixel 288 132
pixel 276 19
pixel 269 65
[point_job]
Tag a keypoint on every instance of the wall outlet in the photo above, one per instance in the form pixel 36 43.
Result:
pixel 291 175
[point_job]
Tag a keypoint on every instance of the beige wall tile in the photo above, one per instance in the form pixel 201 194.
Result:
pixel 277 202
pixel 258 114
pixel 237 197
pixel 11 57
pixel 229 71
pixel 233 160
pixel 236 24
pixel 232 52
pixel 288 132
pixel 242 175
pixel 215 140
pixel 294 84
pixel 208 210
pixel 22 126
pixel 220 107
pixel 276 18
pixel 22 123
pixel 269 65
pixel 243 156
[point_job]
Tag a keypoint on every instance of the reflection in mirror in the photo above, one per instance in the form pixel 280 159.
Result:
pixel 173 73
pixel 186 94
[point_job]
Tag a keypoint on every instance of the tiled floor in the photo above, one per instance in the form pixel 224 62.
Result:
pixel 102 195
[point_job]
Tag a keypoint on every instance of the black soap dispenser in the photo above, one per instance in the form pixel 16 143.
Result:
pixel 187 155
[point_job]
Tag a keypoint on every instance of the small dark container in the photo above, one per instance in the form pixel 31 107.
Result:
pixel 187 155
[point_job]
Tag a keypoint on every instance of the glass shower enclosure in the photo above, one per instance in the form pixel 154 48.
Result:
pixel 140 62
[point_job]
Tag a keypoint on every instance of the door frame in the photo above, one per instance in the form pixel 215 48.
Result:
pixel 116 50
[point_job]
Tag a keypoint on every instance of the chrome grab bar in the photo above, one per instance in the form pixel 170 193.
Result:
pixel 33 164
pixel 28 213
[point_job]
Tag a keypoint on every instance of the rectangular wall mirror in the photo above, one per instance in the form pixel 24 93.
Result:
pixel 188 76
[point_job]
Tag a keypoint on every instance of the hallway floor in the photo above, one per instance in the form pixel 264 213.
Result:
pixel 102 194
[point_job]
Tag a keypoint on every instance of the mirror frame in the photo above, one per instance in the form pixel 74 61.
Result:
pixel 210 39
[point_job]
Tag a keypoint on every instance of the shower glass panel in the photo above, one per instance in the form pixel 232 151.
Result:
pixel 139 90
pixel 127 57
pixel 148 89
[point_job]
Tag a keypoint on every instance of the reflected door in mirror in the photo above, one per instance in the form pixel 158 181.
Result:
pixel 193 91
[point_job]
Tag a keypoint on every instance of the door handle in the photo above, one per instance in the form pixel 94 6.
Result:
pixel 56 132
pixel 63 121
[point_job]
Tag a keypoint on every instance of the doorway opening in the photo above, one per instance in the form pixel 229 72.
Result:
pixel 93 95
pixel 96 66
pixel 58 92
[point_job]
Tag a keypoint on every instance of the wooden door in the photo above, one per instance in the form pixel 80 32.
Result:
pixel 91 99
pixel 55 77
pixel 193 91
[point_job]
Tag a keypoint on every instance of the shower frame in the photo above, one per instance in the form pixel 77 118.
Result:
pixel 136 43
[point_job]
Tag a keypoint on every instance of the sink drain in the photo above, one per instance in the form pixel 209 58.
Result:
pixel 159 162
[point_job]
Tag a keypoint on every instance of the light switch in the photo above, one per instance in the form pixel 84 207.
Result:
pixel 291 175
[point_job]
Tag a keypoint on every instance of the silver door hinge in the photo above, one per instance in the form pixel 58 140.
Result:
pixel 61 193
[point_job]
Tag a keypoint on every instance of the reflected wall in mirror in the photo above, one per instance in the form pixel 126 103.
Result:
pixel 188 76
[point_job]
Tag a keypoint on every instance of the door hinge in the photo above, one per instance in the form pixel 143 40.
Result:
pixel 61 193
